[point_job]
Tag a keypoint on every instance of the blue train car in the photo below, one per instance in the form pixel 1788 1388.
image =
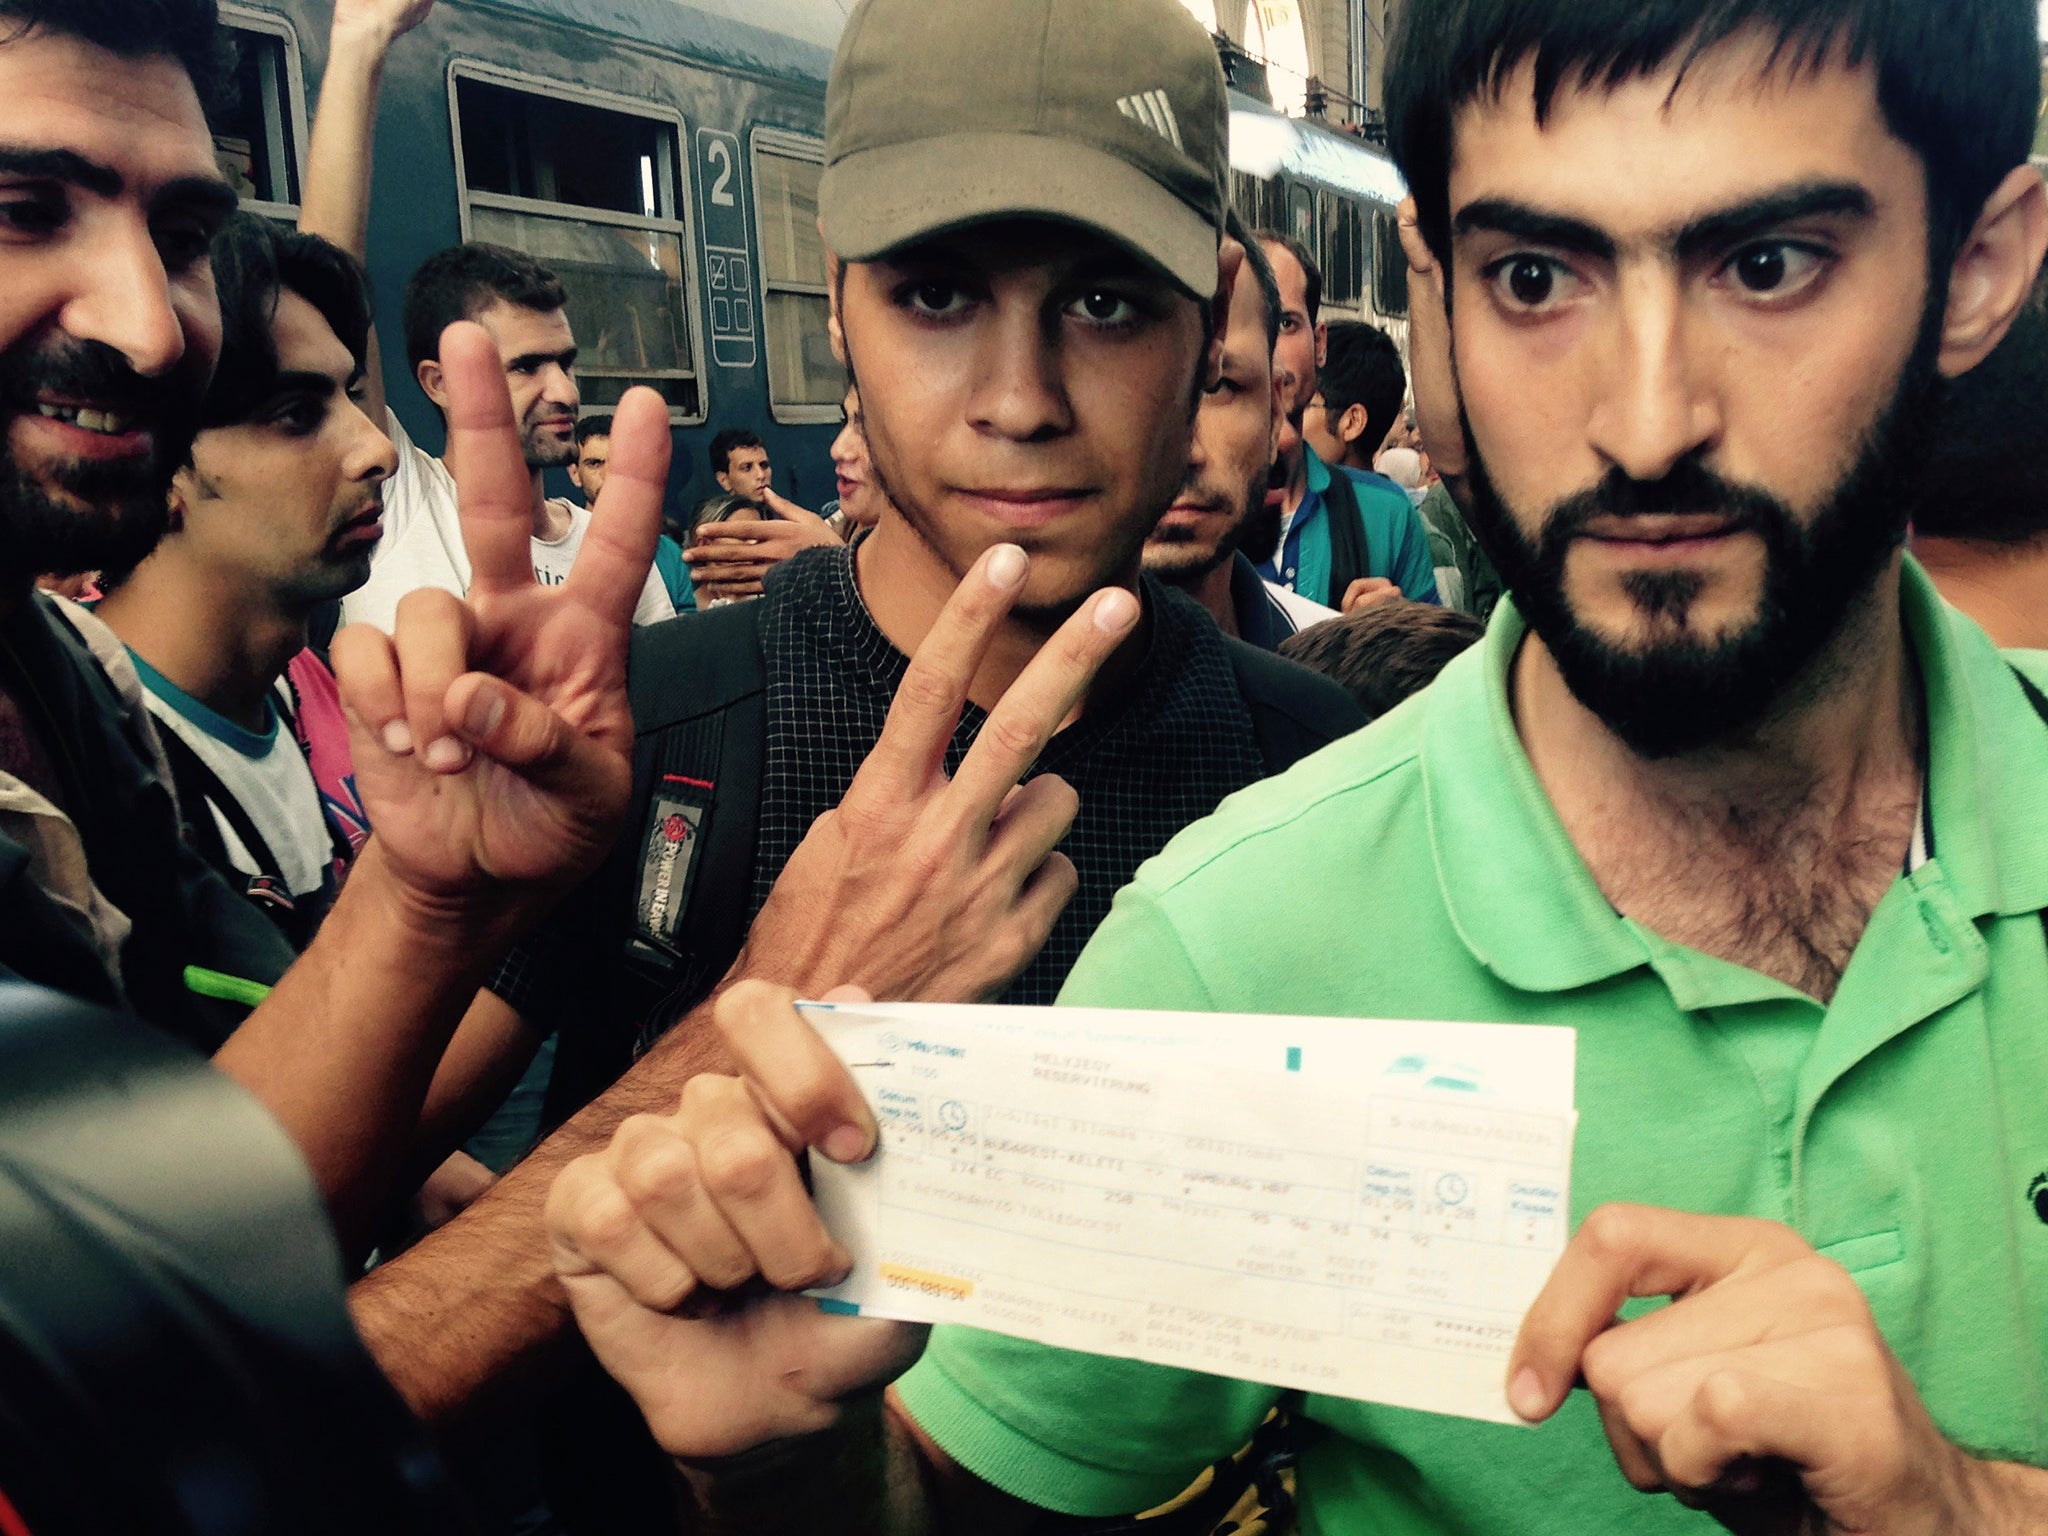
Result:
pixel 663 156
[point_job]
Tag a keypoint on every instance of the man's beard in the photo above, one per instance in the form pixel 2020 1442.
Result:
pixel 543 449
pixel 1678 695
pixel 1175 558
pixel 84 514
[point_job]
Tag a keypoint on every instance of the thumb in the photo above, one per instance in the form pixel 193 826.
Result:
pixel 522 734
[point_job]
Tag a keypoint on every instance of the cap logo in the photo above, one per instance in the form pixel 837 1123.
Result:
pixel 1154 111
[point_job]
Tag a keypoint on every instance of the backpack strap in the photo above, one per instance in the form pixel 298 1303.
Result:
pixel 665 916
pixel 1349 557
pixel 699 691
pixel 1294 710
pixel 199 787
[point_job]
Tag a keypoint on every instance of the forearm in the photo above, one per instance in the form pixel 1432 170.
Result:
pixel 343 1049
pixel 476 1304
pixel 491 1048
pixel 335 202
pixel 2010 1499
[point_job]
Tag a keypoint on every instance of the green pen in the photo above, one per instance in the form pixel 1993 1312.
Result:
pixel 225 988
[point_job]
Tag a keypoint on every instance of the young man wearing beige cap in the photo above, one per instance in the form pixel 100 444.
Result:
pixel 1027 278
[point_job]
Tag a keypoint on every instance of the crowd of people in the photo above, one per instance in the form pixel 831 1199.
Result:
pixel 1656 649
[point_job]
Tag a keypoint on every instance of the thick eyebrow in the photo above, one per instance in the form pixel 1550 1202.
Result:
pixel 1519 221
pixel 308 382
pixel 566 360
pixel 1811 200
pixel 202 194
pixel 60 165
pixel 1716 230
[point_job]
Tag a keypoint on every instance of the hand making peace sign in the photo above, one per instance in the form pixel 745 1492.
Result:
pixel 491 734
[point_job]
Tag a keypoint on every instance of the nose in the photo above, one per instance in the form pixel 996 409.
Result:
pixel 371 455
pixel 122 298
pixel 846 447
pixel 1652 405
pixel 1019 391
pixel 558 387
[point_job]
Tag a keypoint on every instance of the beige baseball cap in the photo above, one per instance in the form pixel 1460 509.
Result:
pixel 1109 114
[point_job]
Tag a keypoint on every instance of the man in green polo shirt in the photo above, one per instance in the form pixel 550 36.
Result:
pixel 1727 789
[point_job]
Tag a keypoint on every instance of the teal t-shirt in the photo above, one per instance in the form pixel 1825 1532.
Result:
pixel 1396 540
pixel 1417 870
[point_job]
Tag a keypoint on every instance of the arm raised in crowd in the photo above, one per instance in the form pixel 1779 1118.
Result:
pixel 490 738
pixel 958 885
pixel 335 200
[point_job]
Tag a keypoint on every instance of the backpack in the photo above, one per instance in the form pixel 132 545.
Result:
pixel 698 687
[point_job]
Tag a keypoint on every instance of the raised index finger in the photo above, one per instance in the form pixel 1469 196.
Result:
pixel 928 700
pixel 618 547
pixel 1621 1251
pixel 493 486
pixel 1038 703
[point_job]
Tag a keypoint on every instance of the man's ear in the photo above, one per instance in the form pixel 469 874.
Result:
pixel 1322 342
pixel 1352 424
pixel 1994 271
pixel 431 381
pixel 575 474
pixel 183 493
pixel 724 484
pixel 835 283
pixel 1229 263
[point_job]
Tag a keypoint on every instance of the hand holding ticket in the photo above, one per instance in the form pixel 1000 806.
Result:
pixel 1355 1207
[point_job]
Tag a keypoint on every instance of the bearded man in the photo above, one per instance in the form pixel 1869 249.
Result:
pixel 1726 788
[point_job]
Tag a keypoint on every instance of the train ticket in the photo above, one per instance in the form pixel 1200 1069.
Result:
pixel 1360 1208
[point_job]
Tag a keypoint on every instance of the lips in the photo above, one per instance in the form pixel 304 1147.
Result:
pixel 1660 528
pixel 1030 508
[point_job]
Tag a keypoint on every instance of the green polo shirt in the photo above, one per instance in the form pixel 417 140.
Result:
pixel 1416 870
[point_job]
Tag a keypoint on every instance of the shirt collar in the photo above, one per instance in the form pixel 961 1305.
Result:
pixel 1318 472
pixel 1523 901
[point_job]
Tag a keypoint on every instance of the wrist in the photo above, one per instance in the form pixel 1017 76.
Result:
pixel 466 926
pixel 359 47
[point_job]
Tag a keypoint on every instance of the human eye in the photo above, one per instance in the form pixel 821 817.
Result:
pixel 1106 308
pixel 27 211
pixel 1225 388
pixel 299 415
pixel 1774 270
pixel 1530 284
pixel 934 298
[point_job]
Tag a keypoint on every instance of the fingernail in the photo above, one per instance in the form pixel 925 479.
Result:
pixel 445 753
pixel 398 739
pixel 1526 1395
pixel 484 713
pixel 1115 611
pixel 1006 566
pixel 847 1144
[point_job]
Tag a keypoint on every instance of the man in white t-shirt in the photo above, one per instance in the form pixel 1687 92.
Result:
pixel 520 302
pixel 275 512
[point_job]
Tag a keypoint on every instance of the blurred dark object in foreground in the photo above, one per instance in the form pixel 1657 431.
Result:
pixel 175 1354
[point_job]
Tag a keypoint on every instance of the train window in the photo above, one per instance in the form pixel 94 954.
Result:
pixel 805 381
pixel 1389 268
pixel 1260 202
pixel 257 132
pixel 592 191
pixel 1344 255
